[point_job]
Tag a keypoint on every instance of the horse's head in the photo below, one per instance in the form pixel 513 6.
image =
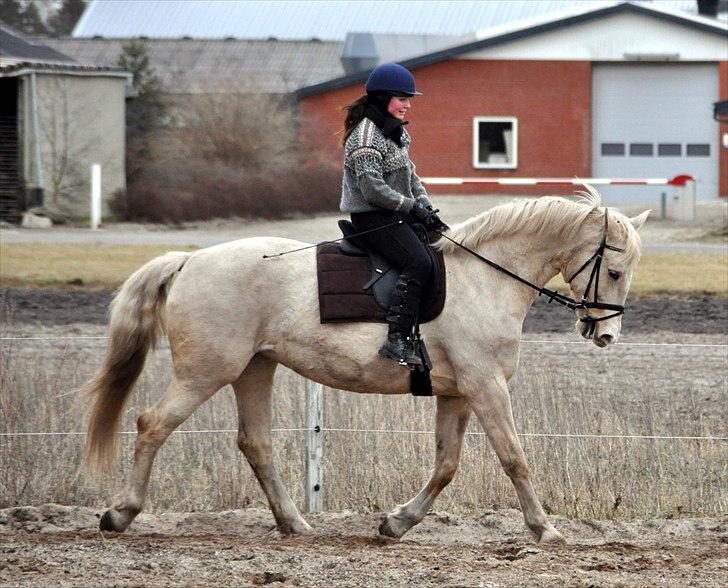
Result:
pixel 600 272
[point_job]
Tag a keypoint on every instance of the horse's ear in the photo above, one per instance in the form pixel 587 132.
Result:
pixel 639 220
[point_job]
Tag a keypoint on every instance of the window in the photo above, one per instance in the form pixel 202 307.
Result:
pixel 669 150
pixel 612 148
pixel 641 149
pixel 495 142
pixel 699 150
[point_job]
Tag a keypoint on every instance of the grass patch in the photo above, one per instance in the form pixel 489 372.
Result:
pixel 675 273
pixel 95 266
pixel 107 266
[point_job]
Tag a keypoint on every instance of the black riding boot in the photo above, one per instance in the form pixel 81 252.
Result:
pixel 401 318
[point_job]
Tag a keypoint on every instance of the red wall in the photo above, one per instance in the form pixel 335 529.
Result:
pixel 551 99
pixel 723 165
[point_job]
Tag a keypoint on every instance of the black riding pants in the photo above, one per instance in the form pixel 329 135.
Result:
pixel 401 247
pixel 398 244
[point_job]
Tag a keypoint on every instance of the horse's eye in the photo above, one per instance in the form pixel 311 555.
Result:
pixel 614 274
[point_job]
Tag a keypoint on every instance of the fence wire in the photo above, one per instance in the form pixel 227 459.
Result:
pixel 394 431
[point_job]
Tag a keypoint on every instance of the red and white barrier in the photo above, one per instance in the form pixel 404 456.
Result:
pixel 680 207
pixel 680 180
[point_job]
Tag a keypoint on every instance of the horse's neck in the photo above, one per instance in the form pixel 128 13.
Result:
pixel 536 260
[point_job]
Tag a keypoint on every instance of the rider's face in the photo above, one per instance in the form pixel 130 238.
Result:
pixel 398 106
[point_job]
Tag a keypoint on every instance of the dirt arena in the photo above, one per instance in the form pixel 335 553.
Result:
pixel 59 546
pixel 55 545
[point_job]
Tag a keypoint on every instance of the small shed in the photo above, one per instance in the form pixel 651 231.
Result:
pixel 57 118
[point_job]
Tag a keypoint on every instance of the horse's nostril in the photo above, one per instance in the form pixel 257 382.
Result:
pixel 607 338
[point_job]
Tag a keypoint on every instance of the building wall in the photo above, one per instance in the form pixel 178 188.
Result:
pixel 551 100
pixel 723 129
pixel 81 121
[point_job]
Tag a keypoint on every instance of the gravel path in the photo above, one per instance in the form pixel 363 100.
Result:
pixel 657 235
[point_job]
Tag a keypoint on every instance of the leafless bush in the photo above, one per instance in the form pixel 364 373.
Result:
pixel 584 477
pixel 230 157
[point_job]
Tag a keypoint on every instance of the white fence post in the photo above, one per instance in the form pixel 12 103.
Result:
pixel 95 196
pixel 314 446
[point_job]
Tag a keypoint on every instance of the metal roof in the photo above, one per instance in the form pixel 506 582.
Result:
pixel 516 32
pixel 321 19
pixel 201 66
pixel 15 44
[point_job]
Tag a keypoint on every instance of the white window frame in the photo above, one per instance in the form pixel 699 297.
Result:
pixel 476 142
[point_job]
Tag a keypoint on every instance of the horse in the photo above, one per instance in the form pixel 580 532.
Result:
pixel 232 315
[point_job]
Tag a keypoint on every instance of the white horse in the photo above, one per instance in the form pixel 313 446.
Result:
pixel 232 316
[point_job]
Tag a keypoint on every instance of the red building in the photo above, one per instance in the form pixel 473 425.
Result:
pixel 622 91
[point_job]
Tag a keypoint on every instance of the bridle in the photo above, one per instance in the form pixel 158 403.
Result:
pixel 594 279
pixel 584 304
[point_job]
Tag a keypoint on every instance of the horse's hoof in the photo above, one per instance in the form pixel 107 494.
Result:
pixel 551 537
pixel 391 529
pixel 298 528
pixel 107 523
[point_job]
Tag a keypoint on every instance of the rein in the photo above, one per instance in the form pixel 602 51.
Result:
pixel 567 301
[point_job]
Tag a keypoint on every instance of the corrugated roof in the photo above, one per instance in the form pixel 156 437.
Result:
pixel 306 19
pixel 193 66
pixel 14 44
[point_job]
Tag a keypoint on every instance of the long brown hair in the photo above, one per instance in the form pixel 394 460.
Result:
pixel 354 114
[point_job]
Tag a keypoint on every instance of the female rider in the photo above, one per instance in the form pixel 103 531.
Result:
pixel 380 188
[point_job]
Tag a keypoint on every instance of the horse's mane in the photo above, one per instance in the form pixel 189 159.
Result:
pixel 551 215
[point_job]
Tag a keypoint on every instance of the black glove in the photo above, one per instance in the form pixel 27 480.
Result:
pixel 436 223
pixel 428 217
pixel 420 213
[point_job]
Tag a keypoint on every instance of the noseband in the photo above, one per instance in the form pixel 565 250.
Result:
pixel 594 280
pixel 584 304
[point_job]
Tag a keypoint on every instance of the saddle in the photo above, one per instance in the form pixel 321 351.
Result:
pixel 355 283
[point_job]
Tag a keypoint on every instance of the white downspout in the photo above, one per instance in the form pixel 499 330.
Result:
pixel 38 167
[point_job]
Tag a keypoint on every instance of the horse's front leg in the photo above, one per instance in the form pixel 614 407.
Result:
pixel 492 405
pixel 452 420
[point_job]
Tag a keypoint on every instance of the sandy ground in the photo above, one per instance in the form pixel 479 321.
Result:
pixel 59 545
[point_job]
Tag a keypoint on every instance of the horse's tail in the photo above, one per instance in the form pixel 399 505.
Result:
pixel 135 324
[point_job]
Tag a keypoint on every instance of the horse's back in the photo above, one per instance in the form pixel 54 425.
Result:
pixel 234 281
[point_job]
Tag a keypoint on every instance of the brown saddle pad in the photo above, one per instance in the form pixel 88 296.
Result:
pixel 342 280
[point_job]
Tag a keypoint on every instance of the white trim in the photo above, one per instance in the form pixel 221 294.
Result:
pixel 476 143
pixel 128 76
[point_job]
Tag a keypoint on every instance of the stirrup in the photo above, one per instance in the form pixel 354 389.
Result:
pixel 388 350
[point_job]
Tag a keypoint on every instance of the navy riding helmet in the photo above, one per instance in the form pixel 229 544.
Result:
pixel 392 78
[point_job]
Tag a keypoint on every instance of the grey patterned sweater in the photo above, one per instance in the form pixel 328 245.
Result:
pixel 378 173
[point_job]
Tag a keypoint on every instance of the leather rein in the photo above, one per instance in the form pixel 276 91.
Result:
pixel 584 303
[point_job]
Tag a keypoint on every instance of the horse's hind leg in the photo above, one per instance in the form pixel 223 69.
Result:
pixel 451 421
pixel 154 426
pixel 493 408
pixel 253 391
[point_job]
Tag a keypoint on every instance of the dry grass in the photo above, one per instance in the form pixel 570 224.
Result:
pixel 104 266
pixel 661 273
pixel 107 266
pixel 588 391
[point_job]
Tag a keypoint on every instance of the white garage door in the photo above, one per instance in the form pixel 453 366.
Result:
pixel 654 120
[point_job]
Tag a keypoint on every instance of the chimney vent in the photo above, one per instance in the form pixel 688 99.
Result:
pixel 708 8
